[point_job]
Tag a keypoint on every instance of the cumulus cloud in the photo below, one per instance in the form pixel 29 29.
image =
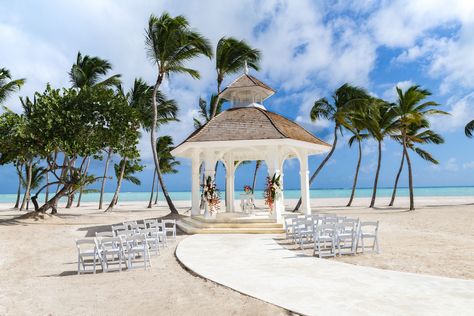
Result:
pixel 461 111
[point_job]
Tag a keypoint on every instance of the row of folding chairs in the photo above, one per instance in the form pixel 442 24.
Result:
pixel 332 235
pixel 126 246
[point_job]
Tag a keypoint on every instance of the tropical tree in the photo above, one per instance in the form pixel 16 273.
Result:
pixel 37 177
pixel 8 85
pixel 356 124
pixel 88 72
pixel 345 99
pixel 258 163
pixel 170 43
pixel 417 134
pixel 232 56
pixel 125 170
pixel 382 123
pixel 168 164
pixel 412 111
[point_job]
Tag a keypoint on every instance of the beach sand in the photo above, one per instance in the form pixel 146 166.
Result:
pixel 38 259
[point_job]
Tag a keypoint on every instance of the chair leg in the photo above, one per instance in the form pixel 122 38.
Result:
pixel 78 264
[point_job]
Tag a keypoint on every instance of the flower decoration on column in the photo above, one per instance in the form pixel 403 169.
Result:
pixel 247 189
pixel 211 195
pixel 272 190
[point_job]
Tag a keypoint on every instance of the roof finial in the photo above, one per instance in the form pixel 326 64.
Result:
pixel 246 67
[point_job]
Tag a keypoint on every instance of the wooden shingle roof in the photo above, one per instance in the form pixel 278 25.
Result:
pixel 251 123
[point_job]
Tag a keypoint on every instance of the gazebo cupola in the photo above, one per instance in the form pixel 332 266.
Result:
pixel 247 91
pixel 248 131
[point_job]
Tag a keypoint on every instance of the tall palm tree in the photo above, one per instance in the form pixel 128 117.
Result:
pixel 418 134
pixel 168 164
pixel 382 123
pixel 170 42
pixel 345 99
pixel 8 85
pixel 232 56
pixel 124 170
pixel 89 71
pixel 37 177
pixel 412 111
pixel 258 163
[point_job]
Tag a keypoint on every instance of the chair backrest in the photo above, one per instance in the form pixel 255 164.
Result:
pixel 288 219
pixel 329 220
pixel 150 222
pixel 110 243
pixel 104 234
pixel 130 225
pixel 86 244
pixel 169 223
pixel 367 226
pixel 325 229
pixel 125 233
pixel 118 227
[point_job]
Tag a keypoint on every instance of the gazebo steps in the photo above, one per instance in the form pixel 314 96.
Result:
pixel 192 226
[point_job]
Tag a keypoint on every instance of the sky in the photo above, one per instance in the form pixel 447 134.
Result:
pixel 309 48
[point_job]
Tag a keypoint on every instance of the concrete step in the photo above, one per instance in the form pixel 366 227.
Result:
pixel 234 224
pixel 188 228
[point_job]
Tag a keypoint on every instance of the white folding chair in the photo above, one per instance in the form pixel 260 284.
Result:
pixel 112 253
pixel 368 230
pixel 346 237
pixel 104 234
pixel 88 254
pixel 137 251
pixel 153 239
pixel 149 222
pixel 304 230
pixel 288 225
pixel 115 228
pixel 169 226
pixel 325 233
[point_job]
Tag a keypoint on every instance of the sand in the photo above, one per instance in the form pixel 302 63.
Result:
pixel 38 260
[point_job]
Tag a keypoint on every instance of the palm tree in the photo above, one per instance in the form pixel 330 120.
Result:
pixel 18 166
pixel 8 85
pixel 124 170
pixel 232 56
pixel 37 177
pixel 411 111
pixel 345 99
pixel 170 42
pixel 89 71
pixel 164 146
pixel 417 134
pixel 382 123
pixel 167 109
pixel 258 163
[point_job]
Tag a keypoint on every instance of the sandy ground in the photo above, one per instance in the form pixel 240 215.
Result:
pixel 38 274
pixel 38 260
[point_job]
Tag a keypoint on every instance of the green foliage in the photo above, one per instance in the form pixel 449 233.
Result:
pixel 131 167
pixel 164 146
pixel 205 110
pixel 37 176
pixel 88 71
pixel 8 85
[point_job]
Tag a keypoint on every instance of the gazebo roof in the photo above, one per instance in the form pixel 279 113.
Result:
pixel 251 123
pixel 247 82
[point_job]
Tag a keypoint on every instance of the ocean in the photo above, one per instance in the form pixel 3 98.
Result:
pixel 289 194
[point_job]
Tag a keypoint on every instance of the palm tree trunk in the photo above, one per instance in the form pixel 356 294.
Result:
pixel 410 174
pixel 119 184
pixel 82 187
pixel 374 192
pixel 216 101
pixel 321 165
pixel 47 188
pixel 152 190
pixel 18 193
pixel 354 185
pixel 254 182
pixel 153 146
pixel 394 193
pixel 26 197
pixel 71 194
pixel 102 188
pixel 156 193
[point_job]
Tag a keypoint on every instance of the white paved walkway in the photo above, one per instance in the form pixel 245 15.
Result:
pixel 257 266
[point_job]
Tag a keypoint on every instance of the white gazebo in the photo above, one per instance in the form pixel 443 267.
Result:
pixel 247 131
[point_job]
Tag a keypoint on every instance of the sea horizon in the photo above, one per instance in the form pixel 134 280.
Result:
pixel 436 191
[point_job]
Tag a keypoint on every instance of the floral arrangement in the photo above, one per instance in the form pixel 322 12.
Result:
pixel 272 190
pixel 211 195
pixel 247 189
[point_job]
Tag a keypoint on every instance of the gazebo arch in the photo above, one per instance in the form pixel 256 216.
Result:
pixel 247 131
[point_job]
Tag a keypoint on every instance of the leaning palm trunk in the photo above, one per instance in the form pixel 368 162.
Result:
pixel 82 187
pixel 321 165
pixel 152 190
pixel 119 184
pixel 71 193
pixel 102 188
pixel 156 193
pixel 26 197
pixel 153 146
pixel 18 193
pixel 354 185
pixel 254 182
pixel 410 175
pixel 394 193
pixel 374 192
pixel 46 196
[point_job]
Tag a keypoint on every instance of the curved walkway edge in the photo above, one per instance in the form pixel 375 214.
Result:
pixel 257 266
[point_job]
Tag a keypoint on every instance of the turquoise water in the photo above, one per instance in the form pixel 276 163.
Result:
pixel 289 194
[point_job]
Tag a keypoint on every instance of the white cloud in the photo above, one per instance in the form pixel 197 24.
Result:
pixel 451 164
pixel 468 165
pixel 461 112
pixel 391 93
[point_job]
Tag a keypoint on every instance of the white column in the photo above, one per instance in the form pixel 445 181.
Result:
pixel 229 194
pixel 195 191
pixel 274 167
pixel 304 184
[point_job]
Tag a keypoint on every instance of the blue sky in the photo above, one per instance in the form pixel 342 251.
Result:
pixel 309 49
